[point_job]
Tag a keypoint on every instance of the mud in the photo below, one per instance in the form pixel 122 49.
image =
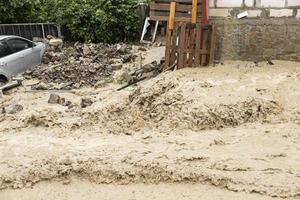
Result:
pixel 234 128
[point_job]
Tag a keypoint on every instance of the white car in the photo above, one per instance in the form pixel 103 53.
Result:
pixel 17 55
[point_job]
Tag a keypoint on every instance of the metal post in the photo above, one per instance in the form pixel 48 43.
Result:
pixel 43 30
pixel 58 31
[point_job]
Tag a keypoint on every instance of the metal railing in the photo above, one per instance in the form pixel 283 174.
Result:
pixel 31 30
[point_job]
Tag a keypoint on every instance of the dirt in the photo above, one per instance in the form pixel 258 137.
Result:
pixel 231 131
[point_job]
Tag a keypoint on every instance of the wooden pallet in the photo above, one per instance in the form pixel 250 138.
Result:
pixel 186 10
pixel 190 45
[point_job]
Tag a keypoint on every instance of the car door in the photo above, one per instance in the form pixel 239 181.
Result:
pixel 24 50
pixel 11 63
pixel 32 55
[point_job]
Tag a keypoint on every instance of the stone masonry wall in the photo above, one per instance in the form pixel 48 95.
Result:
pixel 271 29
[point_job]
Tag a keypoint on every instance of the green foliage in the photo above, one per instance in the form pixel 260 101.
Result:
pixel 97 20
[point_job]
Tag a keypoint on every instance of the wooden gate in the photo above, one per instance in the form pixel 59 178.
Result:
pixel 190 45
pixel 190 40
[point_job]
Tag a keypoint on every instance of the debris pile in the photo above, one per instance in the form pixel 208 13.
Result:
pixel 80 65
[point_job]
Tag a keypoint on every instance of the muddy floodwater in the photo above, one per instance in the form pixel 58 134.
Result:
pixel 225 132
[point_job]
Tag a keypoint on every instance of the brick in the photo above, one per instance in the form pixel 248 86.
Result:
pixel 272 3
pixel 281 13
pixel 229 4
pixel 249 3
pixel 293 2
pixel 211 3
pixel 254 13
pixel 219 12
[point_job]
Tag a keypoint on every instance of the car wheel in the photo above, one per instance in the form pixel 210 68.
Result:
pixel 3 81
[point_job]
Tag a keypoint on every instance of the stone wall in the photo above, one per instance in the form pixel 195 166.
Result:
pixel 271 29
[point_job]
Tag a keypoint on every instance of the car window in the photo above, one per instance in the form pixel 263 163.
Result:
pixel 18 44
pixel 4 49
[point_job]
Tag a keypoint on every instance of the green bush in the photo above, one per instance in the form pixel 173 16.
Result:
pixel 96 20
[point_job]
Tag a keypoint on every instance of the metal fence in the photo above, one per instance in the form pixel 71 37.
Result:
pixel 31 30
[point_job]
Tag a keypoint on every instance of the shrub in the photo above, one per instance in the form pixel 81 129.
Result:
pixel 96 20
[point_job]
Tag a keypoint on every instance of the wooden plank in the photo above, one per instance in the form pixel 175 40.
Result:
pixel 198 46
pixel 191 47
pixel 186 47
pixel 204 47
pixel 179 7
pixel 174 45
pixel 177 1
pixel 177 19
pixel 181 45
pixel 172 15
pixel 159 9
pixel 167 50
pixel 212 46
pixel 194 11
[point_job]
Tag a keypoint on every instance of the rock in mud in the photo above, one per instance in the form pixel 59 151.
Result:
pixel 86 102
pixel 12 109
pixel 56 99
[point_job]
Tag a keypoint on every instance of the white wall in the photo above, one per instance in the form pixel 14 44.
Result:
pixel 255 8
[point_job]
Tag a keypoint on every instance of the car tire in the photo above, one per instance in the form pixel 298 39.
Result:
pixel 3 81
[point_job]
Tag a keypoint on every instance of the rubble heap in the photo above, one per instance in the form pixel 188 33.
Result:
pixel 80 65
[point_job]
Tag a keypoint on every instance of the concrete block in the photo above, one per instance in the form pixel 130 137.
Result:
pixel 229 4
pixel 249 3
pixel 219 12
pixel 293 2
pixel 272 3
pixel 298 14
pixel 254 13
pixel 281 13
pixel 211 3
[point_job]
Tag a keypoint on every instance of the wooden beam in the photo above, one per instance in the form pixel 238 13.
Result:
pixel 194 11
pixel 172 15
pixel 204 11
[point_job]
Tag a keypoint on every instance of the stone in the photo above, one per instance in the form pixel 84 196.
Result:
pixel 86 50
pixel 122 48
pixel 86 102
pixel 150 67
pixel 272 3
pixel 281 13
pixel 12 109
pixel 117 66
pixel 54 99
pixel 58 43
pixel 298 14
pixel 142 48
pixel 46 60
pixel 254 13
pixel 121 77
pixel 293 3
pixel 219 12
pixel 229 4
pixel 100 84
